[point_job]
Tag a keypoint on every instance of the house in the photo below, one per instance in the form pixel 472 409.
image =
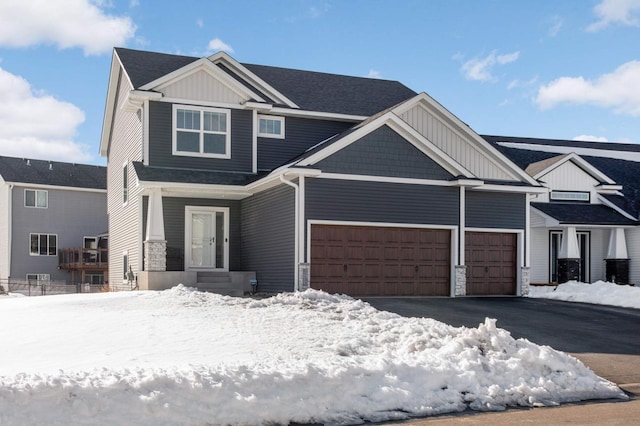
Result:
pixel 46 208
pixel 586 227
pixel 221 173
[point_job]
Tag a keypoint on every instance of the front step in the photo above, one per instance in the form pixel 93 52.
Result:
pixel 219 283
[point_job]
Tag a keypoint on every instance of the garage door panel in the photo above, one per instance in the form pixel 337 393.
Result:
pixel 491 260
pixel 394 261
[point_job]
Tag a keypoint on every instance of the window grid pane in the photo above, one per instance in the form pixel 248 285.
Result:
pixel 53 245
pixel 30 198
pixel 41 199
pixel 43 244
pixel 34 245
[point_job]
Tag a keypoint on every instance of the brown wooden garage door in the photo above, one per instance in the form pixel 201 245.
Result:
pixel 491 263
pixel 380 261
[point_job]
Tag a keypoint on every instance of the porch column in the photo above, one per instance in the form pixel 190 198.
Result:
pixel 569 256
pixel 617 260
pixel 155 245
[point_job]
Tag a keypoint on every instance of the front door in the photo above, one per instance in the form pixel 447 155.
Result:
pixel 206 238
pixel 583 245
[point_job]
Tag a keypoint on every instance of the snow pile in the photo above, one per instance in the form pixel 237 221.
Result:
pixel 185 357
pixel 600 292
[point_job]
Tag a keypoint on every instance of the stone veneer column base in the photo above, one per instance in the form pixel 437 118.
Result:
pixel 155 255
pixel 617 270
pixel 568 270
pixel 461 280
pixel 525 280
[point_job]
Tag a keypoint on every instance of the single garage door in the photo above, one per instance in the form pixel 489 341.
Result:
pixel 380 261
pixel 491 263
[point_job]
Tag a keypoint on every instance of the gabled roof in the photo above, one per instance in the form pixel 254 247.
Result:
pixel 309 90
pixel 541 168
pixel 583 214
pixel 52 173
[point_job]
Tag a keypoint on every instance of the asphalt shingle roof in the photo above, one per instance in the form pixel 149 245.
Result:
pixel 40 172
pixel 312 91
pixel 164 174
pixel 589 214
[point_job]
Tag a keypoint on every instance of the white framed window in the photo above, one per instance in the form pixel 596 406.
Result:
pixel 201 132
pixel 125 183
pixel 570 196
pixel 43 244
pixel 38 278
pixel 125 266
pixel 270 126
pixel 36 198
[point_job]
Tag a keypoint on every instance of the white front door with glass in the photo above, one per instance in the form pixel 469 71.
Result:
pixel 206 238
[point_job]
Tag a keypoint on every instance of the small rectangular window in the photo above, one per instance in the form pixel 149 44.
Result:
pixel 125 184
pixel 43 244
pixel 569 196
pixel 38 278
pixel 201 132
pixel 36 198
pixel 270 126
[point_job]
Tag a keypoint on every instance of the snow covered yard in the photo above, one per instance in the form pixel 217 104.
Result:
pixel 185 357
pixel 600 293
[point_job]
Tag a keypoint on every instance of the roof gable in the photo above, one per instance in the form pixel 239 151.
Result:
pixel 541 168
pixel 52 173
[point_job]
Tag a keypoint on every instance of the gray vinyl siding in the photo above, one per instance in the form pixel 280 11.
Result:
pixel 384 152
pixel 300 135
pixel 125 227
pixel 71 215
pixel 174 228
pixel 161 142
pixel 268 238
pixel 5 202
pixel 344 200
pixel 495 210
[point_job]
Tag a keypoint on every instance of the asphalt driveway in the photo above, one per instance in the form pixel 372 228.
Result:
pixel 605 338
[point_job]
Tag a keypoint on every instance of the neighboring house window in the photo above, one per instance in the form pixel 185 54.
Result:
pixel 125 265
pixel 270 126
pixel 43 244
pixel 202 132
pixel 38 278
pixel 569 196
pixel 125 183
pixel 35 198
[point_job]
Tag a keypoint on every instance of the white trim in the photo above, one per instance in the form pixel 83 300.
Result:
pixel 9 226
pixel 48 247
pixel 125 268
pixel 581 163
pixel 125 191
pixel 189 210
pixel 201 103
pixel 201 132
pixel 52 187
pixel 564 149
pixel 463 227
pixel 453 241
pixel 254 142
pixel 302 186
pixel 277 118
pixel 527 220
pixel 35 199
pixel 608 203
pixel 296 225
pixel 511 188
pixel 387 179
pixel 145 133
pixel 318 115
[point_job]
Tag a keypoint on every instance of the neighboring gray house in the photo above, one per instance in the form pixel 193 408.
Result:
pixel 219 172
pixel 586 227
pixel 45 207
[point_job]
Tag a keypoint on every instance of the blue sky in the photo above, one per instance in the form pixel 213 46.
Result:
pixel 534 68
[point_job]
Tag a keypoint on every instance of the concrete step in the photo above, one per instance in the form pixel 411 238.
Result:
pixel 219 283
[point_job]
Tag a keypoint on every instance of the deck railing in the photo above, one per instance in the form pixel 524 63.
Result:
pixel 83 259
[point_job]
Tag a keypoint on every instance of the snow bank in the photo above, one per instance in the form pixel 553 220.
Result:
pixel 600 292
pixel 185 357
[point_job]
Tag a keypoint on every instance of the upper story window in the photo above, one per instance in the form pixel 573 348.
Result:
pixel 570 196
pixel 201 132
pixel 36 198
pixel 43 244
pixel 270 126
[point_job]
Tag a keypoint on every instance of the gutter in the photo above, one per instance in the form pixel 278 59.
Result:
pixel 9 229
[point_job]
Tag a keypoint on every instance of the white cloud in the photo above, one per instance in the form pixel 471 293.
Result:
pixel 199 23
pixel 590 138
pixel 623 12
pixel 374 74
pixel 556 25
pixel 519 83
pixel 218 45
pixel 35 125
pixel 481 68
pixel 64 23
pixel 619 90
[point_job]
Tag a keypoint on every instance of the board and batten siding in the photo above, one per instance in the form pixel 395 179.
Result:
pixel 441 132
pixel 539 256
pixel 300 135
pixel 569 177
pixel 633 251
pixel 381 202
pixel 70 214
pixel 268 238
pixel 599 244
pixel 174 228
pixel 125 226
pixel 5 204
pixel 495 210
pixel 161 142
pixel 383 152
pixel 202 86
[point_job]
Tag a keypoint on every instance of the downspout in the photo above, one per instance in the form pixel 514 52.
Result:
pixel 9 230
pixel 296 259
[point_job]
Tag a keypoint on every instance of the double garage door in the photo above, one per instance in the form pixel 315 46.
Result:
pixel 389 261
